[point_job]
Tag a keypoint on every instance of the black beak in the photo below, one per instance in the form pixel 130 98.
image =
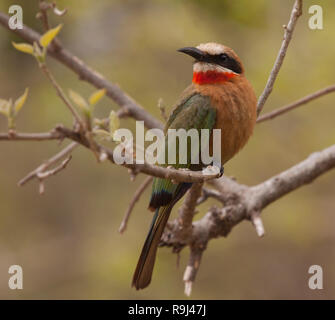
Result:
pixel 193 52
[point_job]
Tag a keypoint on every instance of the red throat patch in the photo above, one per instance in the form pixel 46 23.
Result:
pixel 211 77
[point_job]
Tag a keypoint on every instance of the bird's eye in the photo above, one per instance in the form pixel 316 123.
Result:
pixel 224 57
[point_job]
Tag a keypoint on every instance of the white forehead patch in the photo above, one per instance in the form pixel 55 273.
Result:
pixel 204 67
pixel 211 48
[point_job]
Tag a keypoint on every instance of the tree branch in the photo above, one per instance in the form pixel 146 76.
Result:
pixel 60 155
pixel 187 210
pixel 295 14
pixel 296 104
pixel 209 193
pixel 300 174
pixel 192 268
pixel 46 174
pixel 61 132
pixel 176 175
pixel 43 14
pixel 243 202
pixel 61 94
pixel 45 136
pixel 136 197
pixel 86 73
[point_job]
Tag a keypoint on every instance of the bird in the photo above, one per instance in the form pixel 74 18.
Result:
pixel 219 97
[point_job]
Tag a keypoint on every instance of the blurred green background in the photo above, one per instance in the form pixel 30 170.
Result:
pixel 67 240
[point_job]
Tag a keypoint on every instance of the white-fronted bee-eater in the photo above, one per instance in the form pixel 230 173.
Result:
pixel 220 97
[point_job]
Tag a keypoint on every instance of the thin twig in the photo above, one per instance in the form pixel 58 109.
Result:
pixel 43 14
pixel 60 155
pixel 295 14
pixel 46 174
pixel 131 206
pixel 54 171
pixel 298 103
pixel 61 94
pixel 45 136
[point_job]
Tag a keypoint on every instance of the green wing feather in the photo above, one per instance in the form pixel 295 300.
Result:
pixel 193 112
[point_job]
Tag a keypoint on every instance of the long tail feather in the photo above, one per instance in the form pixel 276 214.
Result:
pixel 146 262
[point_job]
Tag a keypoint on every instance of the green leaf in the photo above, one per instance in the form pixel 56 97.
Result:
pixel 11 115
pixel 46 39
pixel 114 122
pixel 78 100
pixel 10 109
pixel 3 102
pixel 24 47
pixel 97 96
pixel 21 101
pixel 4 107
